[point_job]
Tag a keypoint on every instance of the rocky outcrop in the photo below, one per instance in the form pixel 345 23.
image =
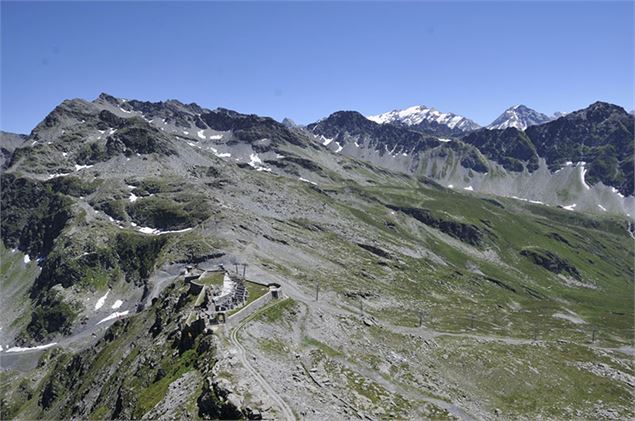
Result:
pixel 550 261
pixel 468 233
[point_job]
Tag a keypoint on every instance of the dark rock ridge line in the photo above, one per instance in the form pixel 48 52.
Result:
pixel 467 233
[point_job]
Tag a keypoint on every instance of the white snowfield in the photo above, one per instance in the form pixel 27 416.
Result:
pixel 34 348
pixel 256 162
pixel 115 315
pixel 326 140
pixel 570 207
pixel 117 304
pixel 27 259
pixel 420 113
pixel 154 231
pixel 308 181
pixel 220 155
pixel 100 302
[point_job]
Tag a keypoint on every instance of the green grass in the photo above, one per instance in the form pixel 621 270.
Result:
pixel 155 392
pixel 327 350
pixel 277 312
pixel 273 346
pixel 211 278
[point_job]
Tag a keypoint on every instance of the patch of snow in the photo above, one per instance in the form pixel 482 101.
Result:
pixel 64 154
pixel 583 171
pixel 569 207
pixel 536 202
pixel 130 187
pixel 116 305
pixel 215 137
pixel 148 230
pixel 125 111
pixel 444 140
pixel 326 140
pixel 450 186
pixel 602 207
pixel 200 134
pixel 221 155
pixel 278 156
pixel 186 133
pixel 568 163
pixel 81 167
pixel 468 188
pixel 308 181
pixel 27 259
pixel 256 162
pixel 356 144
pixel 133 198
pixel 34 348
pixel 61 174
pixel 112 131
pixel 100 303
pixel 339 147
pixel 114 315
pixel 154 231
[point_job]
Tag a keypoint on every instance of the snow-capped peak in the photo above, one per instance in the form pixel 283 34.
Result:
pixel 419 114
pixel 520 117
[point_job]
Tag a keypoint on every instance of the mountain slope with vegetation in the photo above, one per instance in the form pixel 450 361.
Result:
pixel 404 297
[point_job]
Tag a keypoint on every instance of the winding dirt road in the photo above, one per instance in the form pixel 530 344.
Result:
pixel 286 412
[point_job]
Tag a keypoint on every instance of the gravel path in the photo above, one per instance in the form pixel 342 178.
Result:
pixel 287 413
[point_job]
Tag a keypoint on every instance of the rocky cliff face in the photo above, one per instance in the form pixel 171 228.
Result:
pixel 596 144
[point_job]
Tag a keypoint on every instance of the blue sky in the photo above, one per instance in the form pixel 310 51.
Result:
pixel 305 60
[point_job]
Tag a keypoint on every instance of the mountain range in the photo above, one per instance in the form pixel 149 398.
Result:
pixel 420 262
pixel 431 121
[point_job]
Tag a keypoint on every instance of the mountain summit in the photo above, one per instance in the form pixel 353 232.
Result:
pixel 427 120
pixel 519 117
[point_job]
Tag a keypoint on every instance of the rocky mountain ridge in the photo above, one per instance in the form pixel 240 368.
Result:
pixel 108 201
pixel 427 120
pixel 519 117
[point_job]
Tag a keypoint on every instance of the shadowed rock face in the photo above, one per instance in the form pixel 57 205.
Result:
pixel 8 143
pixel 551 261
pixel 596 141
pixel 467 233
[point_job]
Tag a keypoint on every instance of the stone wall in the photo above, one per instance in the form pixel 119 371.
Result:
pixel 237 317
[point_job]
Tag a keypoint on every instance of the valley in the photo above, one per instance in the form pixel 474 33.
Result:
pixel 404 293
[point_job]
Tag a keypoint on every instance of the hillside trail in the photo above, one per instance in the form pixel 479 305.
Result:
pixel 286 412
